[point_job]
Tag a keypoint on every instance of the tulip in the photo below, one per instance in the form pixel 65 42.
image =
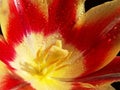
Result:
pixel 56 45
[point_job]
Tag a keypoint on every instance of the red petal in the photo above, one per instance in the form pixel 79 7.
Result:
pixel 86 86
pixel 102 79
pixel 19 17
pixel 7 79
pixel 64 13
pixel 108 74
pixel 82 86
pixel 99 36
pixel 7 52
pixel 9 82
pixel 12 82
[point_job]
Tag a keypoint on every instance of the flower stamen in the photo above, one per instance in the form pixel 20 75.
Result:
pixel 47 60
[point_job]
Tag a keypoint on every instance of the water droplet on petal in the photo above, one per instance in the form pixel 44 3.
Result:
pixel 109 40
pixel 115 28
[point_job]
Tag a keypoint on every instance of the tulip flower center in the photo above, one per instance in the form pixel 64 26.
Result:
pixel 47 61
pixel 42 68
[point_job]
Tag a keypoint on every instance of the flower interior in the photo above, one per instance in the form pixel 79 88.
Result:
pixel 46 63
pixel 56 45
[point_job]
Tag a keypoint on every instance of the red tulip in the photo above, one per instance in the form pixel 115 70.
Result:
pixel 56 45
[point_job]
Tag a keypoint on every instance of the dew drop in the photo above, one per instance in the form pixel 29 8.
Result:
pixel 109 40
pixel 75 5
pixel 115 28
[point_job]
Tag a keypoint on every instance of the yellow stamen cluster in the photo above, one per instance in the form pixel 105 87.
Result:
pixel 47 61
